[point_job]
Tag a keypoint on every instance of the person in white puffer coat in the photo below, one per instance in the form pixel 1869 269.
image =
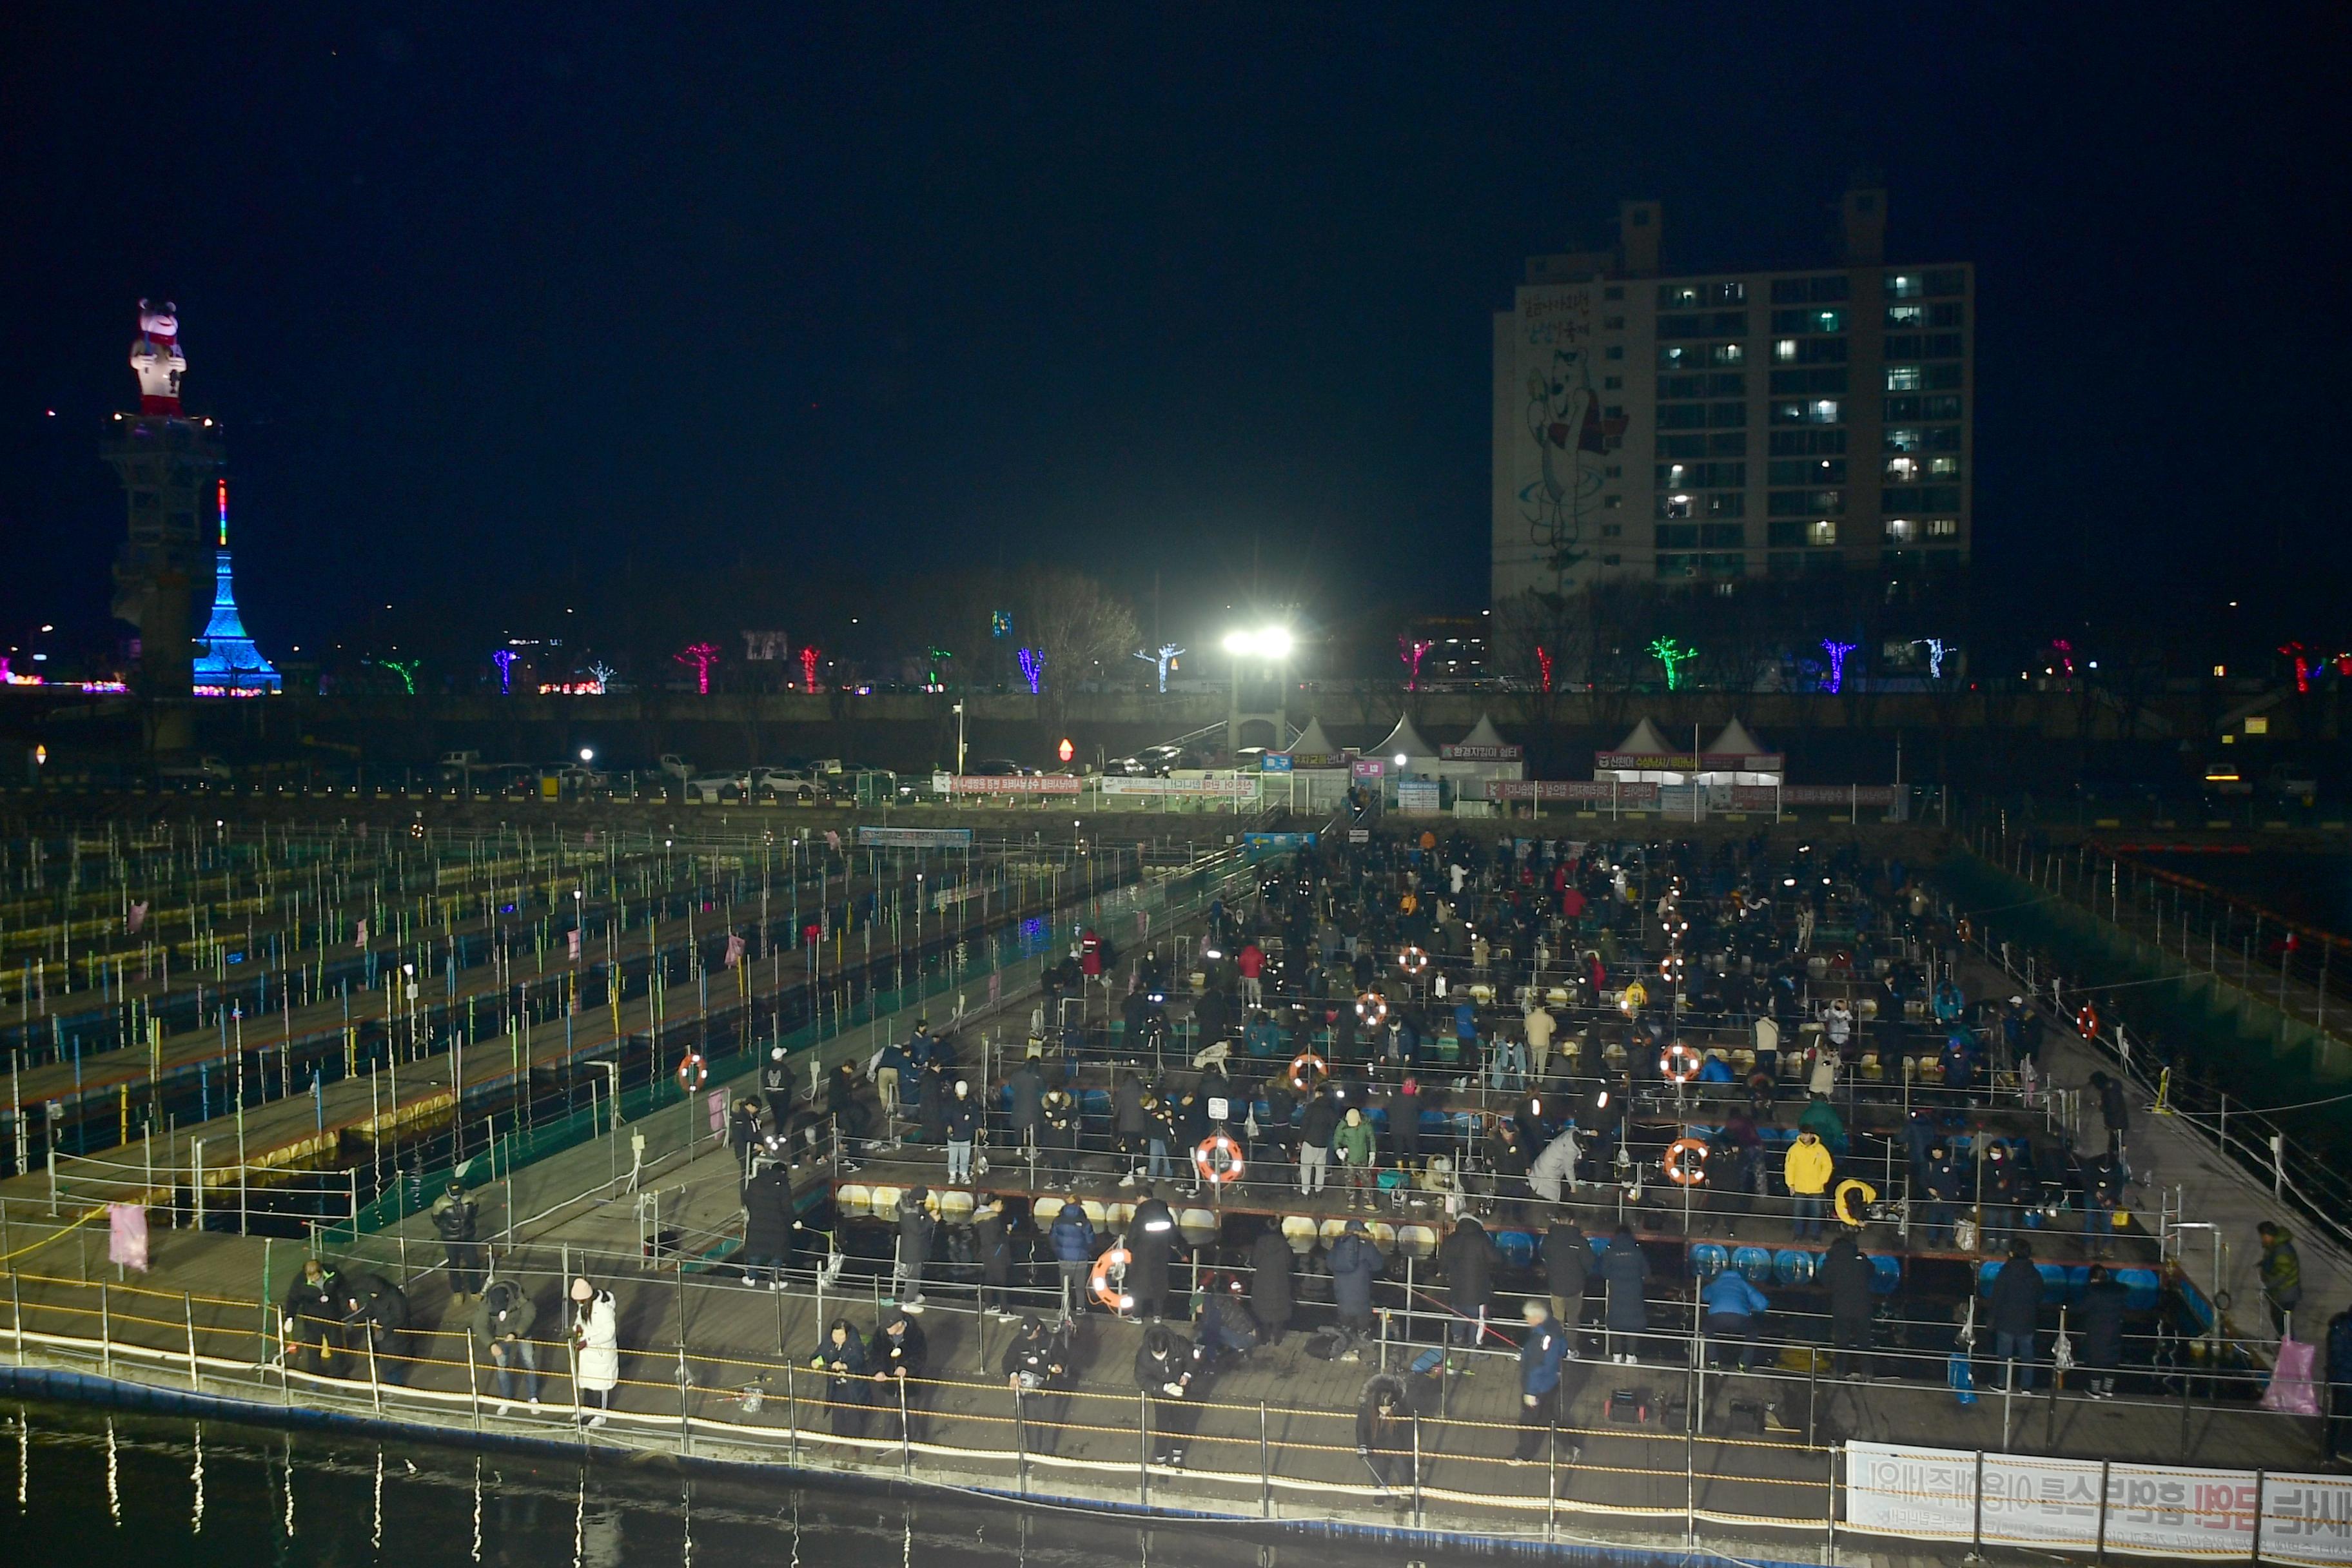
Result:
pixel 596 1349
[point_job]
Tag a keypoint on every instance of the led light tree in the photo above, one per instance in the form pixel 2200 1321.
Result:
pixel 603 675
pixel 1543 667
pixel 504 659
pixel 1165 659
pixel 1837 652
pixel 701 656
pixel 810 654
pixel 2301 658
pixel 1033 667
pixel 405 668
pixel 1410 653
pixel 1671 653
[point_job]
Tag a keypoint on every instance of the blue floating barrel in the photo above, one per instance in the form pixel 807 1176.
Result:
pixel 1885 1273
pixel 1791 1267
pixel 1708 1258
pixel 1754 1262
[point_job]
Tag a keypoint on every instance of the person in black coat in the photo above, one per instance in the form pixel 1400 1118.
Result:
pixel 994 1250
pixel 310 1327
pixel 1467 1259
pixel 841 1356
pixel 1568 1266
pixel 1026 1112
pixel 2016 1302
pixel 1151 1240
pixel 375 1312
pixel 1164 1369
pixel 2101 1316
pixel 1624 1274
pixel 1845 1275
pixel 767 1227
pixel 1385 1430
pixel 916 1231
pixel 1271 1262
pixel 898 1355
pixel 1035 1365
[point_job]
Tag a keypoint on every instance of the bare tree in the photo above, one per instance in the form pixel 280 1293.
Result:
pixel 1077 627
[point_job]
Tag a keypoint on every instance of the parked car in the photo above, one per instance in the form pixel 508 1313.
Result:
pixel 711 789
pixel 460 765
pixel 785 783
pixel 675 766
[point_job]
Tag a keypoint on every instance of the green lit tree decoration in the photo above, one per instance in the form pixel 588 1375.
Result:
pixel 1669 652
pixel 405 668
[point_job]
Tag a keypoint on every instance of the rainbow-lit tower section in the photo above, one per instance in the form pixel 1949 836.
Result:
pixel 227 664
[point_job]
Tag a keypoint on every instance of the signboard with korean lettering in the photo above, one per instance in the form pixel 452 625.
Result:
pixel 1418 795
pixel 1481 753
pixel 1030 783
pixel 1689 762
pixel 1581 792
pixel 1369 767
pixel 915 837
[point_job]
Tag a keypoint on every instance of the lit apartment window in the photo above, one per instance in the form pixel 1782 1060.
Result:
pixel 1822 532
pixel 1824 411
pixel 1943 528
pixel 1902 378
pixel 1726 354
pixel 1902 470
pixel 1784 349
pixel 1905 286
pixel 1829 321
pixel 1944 467
pixel 1903 439
pixel 1906 315
pixel 1677 297
pixel 1675 506
pixel 1901 530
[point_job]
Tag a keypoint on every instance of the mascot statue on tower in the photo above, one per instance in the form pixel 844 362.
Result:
pixel 156 359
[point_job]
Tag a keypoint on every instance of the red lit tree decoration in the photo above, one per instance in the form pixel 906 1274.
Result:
pixel 1543 663
pixel 809 656
pixel 2302 665
pixel 701 655
pixel 1409 653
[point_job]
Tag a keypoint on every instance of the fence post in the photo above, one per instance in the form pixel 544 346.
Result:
pixel 907 1430
pixel 2255 1554
pixel 685 1383
pixel 1142 1448
pixel 1264 1469
pixel 1976 1507
pixel 375 1385
pixel 2103 1510
pixel 473 1381
pixel 105 1333
pixel 188 1316
pixel 16 1316
pixel 1829 1549
pixel 1020 1443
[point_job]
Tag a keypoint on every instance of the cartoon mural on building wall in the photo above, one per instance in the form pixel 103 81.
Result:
pixel 1566 423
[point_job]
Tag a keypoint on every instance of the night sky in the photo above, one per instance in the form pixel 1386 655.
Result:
pixel 571 307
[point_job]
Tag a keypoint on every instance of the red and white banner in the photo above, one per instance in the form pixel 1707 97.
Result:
pixel 1688 762
pixel 1224 786
pixel 1481 753
pixel 1584 792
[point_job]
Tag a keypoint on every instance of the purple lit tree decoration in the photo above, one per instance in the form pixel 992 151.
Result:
pixel 1837 652
pixel 701 655
pixel 504 659
pixel 1409 653
pixel 1165 659
pixel 1033 667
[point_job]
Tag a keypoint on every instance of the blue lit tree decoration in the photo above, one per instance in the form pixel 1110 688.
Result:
pixel 1837 652
pixel 504 659
pixel 1166 658
pixel 1935 657
pixel 1033 669
pixel 1669 652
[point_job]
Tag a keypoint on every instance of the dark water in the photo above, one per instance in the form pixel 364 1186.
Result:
pixel 80 1486
pixel 2314 889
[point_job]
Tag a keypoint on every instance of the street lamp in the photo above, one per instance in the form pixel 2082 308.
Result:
pixel 587 754
pixel 958 713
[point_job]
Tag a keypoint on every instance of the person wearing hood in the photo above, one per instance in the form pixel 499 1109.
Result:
pixel 501 1325
pixel 1846 1273
pixel 994 1250
pixel 1271 1264
pixel 1467 1258
pixel 743 1131
pixel 1151 1240
pixel 595 1351
pixel 1354 1263
pixel 1034 1363
pixel 1384 1415
pixel 1733 1306
pixel 767 1227
pixel 1568 1268
pixel 1625 1272
pixel 1553 1176
pixel 841 1356
pixel 1807 1169
pixel 2101 1319
pixel 456 1220
pixel 310 1318
pixel 1315 1131
pixel 896 1352
pixel 375 1312
pixel 916 1229
pixel 1545 1346
pixel 1072 1238
pixel 963 1131
pixel 2016 1302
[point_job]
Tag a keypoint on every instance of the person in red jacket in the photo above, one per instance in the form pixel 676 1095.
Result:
pixel 1251 965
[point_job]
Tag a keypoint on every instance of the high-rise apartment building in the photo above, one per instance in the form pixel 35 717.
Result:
pixel 1736 424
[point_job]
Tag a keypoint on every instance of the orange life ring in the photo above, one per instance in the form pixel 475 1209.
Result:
pixel 1690 1059
pixel 1218 1159
pixel 693 1072
pixel 1681 1173
pixel 1372 1009
pixel 1413 960
pixel 1112 1293
pixel 1308 1072
pixel 2086 1022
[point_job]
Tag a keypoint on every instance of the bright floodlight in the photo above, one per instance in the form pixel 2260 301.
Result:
pixel 1269 643
pixel 1399 759
pixel 1238 643
pixel 587 754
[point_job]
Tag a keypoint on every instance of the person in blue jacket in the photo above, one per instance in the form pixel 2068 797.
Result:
pixel 1733 1310
pixel 1543 1350
pixel 1072 1238
pixel 1949 1004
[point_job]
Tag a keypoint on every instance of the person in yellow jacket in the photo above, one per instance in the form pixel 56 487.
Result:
pixel 1807 1170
